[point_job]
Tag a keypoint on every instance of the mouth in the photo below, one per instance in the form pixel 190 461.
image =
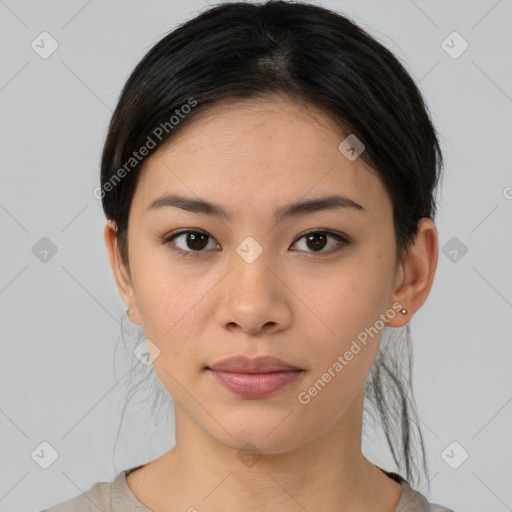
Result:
pixel 254 378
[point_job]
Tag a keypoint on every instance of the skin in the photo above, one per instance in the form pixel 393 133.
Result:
pixel 294 302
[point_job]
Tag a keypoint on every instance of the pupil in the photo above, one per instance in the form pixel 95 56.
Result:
pixel 316 245
pixel 195 238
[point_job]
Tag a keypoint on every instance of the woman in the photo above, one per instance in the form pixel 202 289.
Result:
pixel 268 179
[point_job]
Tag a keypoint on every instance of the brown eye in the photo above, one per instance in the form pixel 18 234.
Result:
pixel 316 241
pixel 196 241
pixel 193 242
pixel 189 242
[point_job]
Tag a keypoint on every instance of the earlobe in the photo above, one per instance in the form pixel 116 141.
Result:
pixel 415 277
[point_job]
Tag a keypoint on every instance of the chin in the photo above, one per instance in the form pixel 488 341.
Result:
pixel 266 432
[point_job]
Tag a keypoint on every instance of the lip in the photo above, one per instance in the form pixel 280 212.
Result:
pixel 260 364
pixel 254 378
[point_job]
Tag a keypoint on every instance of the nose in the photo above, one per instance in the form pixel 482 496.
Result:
pixel 254 298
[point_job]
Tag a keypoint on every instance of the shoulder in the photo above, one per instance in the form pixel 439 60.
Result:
pixel 412 500
pixel 97 497
pixel 112 496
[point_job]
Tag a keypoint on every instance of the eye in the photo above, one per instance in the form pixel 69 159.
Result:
pixel 318 240
pixel 190 239
pixel 194 242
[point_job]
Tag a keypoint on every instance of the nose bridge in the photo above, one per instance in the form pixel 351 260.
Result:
pixel 251 265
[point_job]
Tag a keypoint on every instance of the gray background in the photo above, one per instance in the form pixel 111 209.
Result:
pixel 62 318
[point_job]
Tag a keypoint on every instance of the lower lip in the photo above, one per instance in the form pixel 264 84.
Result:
pixel 255 385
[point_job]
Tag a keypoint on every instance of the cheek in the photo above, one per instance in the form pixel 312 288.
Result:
pixel 345 296
pixel 345 342
pixel 168 291
pixel 343 308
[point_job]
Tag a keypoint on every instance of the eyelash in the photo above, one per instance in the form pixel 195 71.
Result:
pixel 337 236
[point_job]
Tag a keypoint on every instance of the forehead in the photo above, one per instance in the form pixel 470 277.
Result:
pixel 267 150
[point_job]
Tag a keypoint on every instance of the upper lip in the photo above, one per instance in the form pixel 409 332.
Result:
pixel 260 364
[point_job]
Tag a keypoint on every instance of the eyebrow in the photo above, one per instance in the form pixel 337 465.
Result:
pixel 201 206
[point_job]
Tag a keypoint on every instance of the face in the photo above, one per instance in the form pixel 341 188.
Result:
pixel 302 287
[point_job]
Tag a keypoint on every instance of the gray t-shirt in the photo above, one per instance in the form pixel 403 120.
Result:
pixel 117 496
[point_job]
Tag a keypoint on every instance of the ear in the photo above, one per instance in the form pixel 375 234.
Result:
pixel 121 273
pixel 415 275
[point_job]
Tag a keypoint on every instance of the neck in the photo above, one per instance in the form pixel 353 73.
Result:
pixel 328 473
